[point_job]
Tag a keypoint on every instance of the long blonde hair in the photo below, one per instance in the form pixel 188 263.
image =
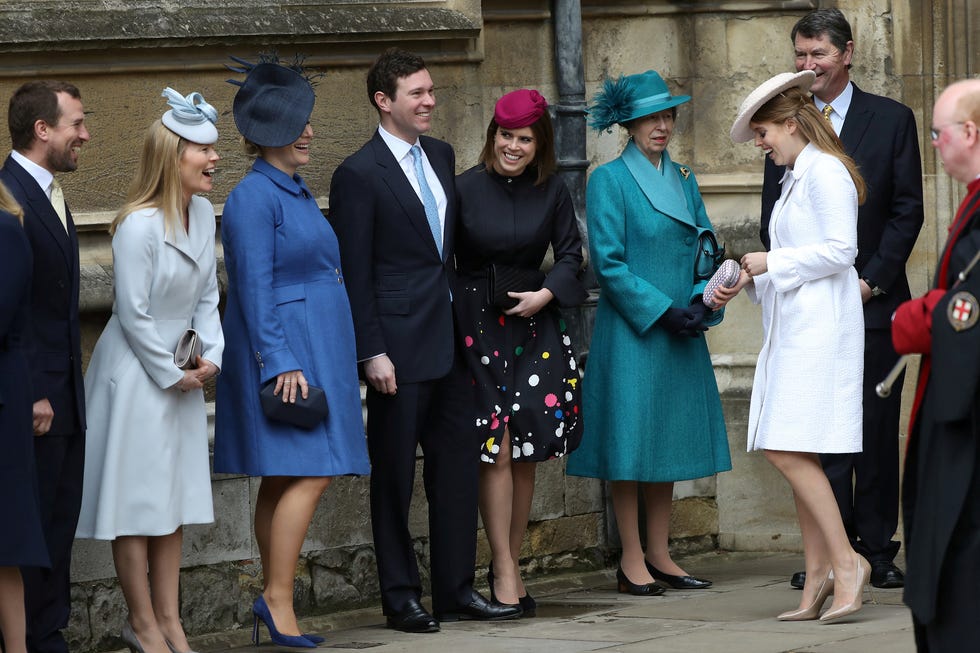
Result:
pixel 157 181
pixel 796 105
pixel 9 204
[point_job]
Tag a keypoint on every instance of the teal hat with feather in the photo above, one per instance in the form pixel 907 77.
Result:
pixel 630 97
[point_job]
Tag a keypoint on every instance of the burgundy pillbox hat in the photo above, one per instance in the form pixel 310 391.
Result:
pixel 519 108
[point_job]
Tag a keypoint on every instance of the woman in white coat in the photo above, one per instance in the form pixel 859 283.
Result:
pixel 806 396
pixel 146 452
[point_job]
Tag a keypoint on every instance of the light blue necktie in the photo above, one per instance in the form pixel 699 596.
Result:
pixel 428 199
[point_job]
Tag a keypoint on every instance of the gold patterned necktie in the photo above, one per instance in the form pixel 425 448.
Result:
pixel 58 202
pixel 827 110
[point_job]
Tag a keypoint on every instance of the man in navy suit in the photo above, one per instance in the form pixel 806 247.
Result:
pixel 880 134
pixel 47 130
pixel 393 207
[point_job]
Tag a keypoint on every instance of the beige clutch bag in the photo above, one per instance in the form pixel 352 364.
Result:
pixel 188 349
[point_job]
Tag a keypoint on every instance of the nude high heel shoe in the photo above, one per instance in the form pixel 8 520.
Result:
pixel 129 638
pixel 812 611
pixel 864 575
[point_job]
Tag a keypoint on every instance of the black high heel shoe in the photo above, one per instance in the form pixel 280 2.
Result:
pixel 528 605
pixel 493 595
pixel 626 586
pixel 678 582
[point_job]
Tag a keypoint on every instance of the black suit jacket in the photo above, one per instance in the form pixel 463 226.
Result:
pixel 880 134
pixel 399 288
pixel 54 351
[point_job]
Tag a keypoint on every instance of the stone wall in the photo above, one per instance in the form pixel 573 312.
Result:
pixel 122 55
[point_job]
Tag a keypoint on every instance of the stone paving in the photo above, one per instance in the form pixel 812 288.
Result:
pixel 583 612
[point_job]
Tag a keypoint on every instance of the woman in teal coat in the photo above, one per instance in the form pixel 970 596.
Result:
pixel 651 410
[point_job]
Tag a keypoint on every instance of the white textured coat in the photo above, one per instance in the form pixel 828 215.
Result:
pixel 806 395
pixel 146 450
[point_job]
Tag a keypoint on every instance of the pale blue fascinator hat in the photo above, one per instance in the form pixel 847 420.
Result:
pixel 630 97
pixel 190 117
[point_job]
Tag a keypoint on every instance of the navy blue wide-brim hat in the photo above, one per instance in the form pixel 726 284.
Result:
pixel 273 105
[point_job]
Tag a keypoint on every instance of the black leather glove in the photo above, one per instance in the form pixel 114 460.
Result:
pixel 683 321
pixel 701 313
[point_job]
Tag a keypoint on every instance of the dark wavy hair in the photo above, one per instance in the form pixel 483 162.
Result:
pixel 392 65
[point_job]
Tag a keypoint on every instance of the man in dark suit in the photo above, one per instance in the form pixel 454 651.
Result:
pixel 880 134
pixel 393 207
pixel 47 130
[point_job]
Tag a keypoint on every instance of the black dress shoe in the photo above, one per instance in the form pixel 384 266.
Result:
pixel 413 618
pixel 626 586
pixel 482 610
pixel 678 582
pixel 798 580
pixel 886 575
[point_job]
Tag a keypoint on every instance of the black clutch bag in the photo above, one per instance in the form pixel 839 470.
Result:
pixel 305 413
pixel 502 279
pixel 188 349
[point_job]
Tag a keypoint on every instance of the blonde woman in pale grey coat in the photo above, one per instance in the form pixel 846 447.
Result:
pixel 146 454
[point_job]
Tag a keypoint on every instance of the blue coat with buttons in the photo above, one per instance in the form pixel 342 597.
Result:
pixel 287 310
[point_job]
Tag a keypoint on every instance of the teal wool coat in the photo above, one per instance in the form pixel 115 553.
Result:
pixel 651 408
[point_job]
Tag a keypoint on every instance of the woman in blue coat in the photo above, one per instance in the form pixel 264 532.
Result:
pixel 288 323
pixel 22 544
pixel 650 404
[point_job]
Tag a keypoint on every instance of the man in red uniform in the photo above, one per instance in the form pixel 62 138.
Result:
pixel 941 496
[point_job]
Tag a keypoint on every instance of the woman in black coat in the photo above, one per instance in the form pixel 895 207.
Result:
pixel 22 544
pixel 512 207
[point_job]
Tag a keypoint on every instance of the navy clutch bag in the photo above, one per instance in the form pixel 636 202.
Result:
pixel 305 413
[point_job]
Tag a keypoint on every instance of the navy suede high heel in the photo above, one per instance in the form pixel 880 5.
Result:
pixel 261 611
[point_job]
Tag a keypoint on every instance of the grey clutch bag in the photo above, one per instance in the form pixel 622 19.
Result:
pixel 188 349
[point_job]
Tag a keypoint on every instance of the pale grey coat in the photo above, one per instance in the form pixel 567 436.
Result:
pixel 146 450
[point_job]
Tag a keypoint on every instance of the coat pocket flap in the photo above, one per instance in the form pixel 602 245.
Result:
pixel 292 293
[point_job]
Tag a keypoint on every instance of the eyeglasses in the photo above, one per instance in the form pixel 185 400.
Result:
pixel 936 132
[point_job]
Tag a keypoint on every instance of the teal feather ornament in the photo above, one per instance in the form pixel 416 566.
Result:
pixel 611 105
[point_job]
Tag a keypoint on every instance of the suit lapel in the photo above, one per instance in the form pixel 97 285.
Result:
pixel 394 177
pixel 859 117
pixel 39 209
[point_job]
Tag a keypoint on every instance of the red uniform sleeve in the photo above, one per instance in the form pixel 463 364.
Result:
pixel 912 324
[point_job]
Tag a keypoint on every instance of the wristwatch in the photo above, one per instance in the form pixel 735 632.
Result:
pixel 876 290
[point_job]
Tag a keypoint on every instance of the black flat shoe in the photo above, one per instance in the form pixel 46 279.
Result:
pixel 798 580
pixel 678 582
pixel 626 586
pixel 413 618
pixel 481 609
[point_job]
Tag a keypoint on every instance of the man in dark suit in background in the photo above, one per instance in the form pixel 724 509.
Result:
pixel 880 134
pixel 392 205
pixel 47 130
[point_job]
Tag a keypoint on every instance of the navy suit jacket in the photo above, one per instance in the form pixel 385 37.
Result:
pixel 880 135
pixel 54 350
pixel 398 285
